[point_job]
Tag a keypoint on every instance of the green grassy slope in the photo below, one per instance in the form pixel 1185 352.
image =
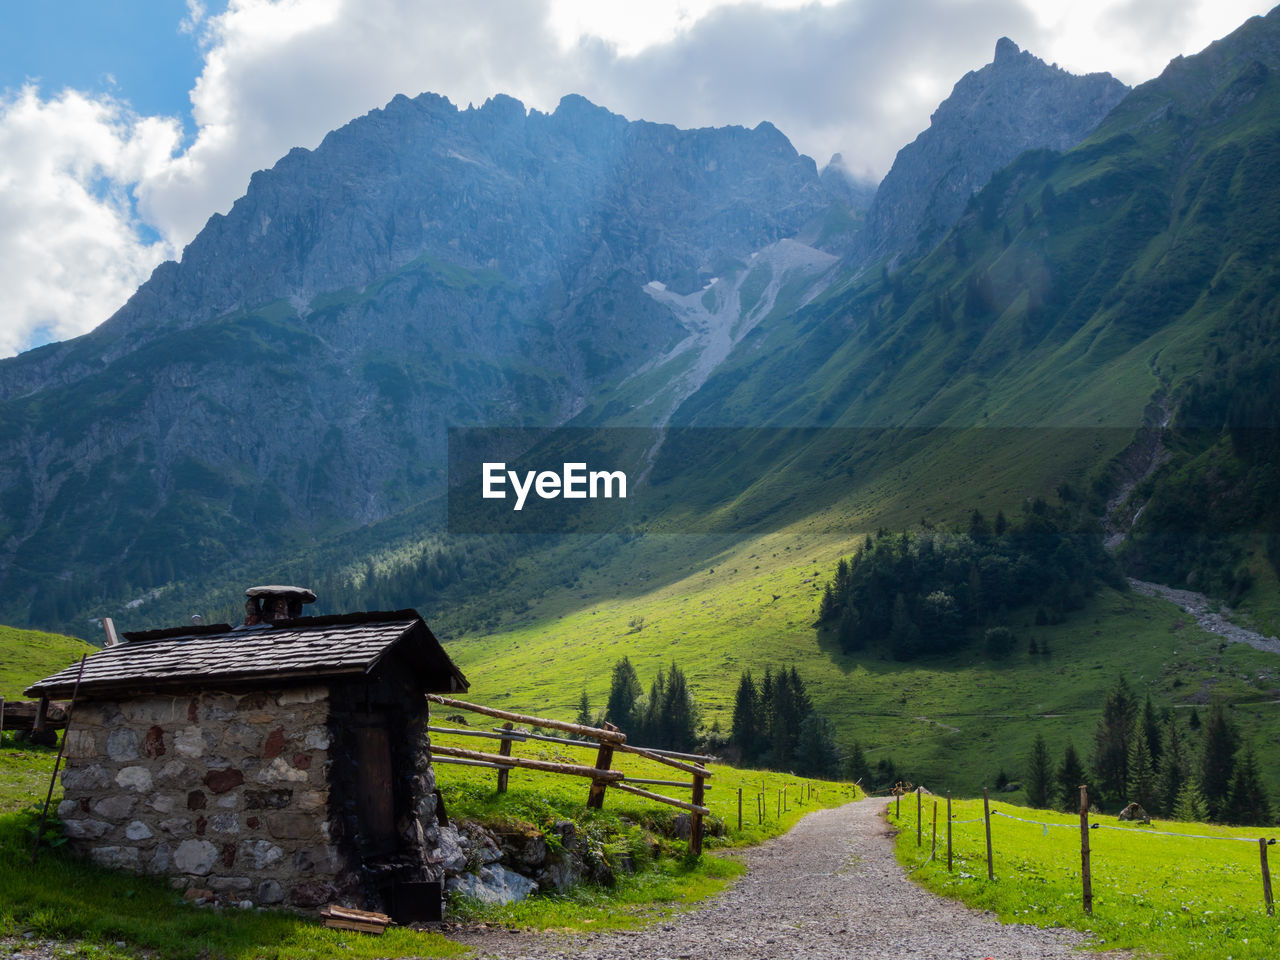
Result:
pixel 1195 897
pixel 952 721
pixel 28 655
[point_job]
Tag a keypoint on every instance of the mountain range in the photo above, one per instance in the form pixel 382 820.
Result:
pixel 1055 254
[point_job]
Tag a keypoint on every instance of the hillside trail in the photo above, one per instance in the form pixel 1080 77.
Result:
pixel 828 889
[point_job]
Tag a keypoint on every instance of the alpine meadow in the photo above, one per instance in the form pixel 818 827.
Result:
pixel 968 480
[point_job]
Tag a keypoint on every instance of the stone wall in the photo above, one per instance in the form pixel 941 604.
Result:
pixel 225 792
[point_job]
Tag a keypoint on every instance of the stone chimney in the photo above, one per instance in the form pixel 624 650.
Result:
pixel 270 604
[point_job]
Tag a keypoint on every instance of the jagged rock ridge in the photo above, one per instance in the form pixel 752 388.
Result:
pixel 1015 103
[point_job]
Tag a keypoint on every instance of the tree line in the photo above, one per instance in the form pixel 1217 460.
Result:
pixel 775 725
pixel 667 718
pixel 1203 770
pixel 931 591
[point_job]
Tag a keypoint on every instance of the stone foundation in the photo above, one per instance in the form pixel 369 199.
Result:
pixel 224 792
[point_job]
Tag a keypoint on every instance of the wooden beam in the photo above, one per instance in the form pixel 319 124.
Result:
pixel 472 763
pixel 660 798
pixel 686 784
pixel 544 765
pixel 479 733
pixel 604 759
pixel 612 736
pixel 679 765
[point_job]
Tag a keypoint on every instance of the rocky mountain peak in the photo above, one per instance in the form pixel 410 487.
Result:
pixel 1005 49
pixel 1015 103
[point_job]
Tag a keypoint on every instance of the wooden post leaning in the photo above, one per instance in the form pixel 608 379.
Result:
pixel 604 758
pixel 1086 879
pixel 934 852
pixel 695 827
pixel 1266 878
pixel 986 816
pixel 948 831
pixel 504 749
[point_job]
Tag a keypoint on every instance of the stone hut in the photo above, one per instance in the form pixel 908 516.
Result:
pixel 285 761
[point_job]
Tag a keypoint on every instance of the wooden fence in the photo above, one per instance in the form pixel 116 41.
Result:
pixel 606 740
pixel 1086 871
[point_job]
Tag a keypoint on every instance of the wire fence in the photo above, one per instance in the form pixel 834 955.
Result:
pixel 1085 827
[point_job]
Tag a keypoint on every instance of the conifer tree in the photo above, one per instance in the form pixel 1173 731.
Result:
pixel 1173 769
pixel 584 717
pixel 679 712
pixel 1217 760
pixel 816 753
pixel 746 733
pixel 1112 740
pixel 1142 776
pixel 1248 803
pixel 1190 805
pixel 624 690
pixel 1070 775
pixel 1153 725
pixel 856 767
pixel 1039 774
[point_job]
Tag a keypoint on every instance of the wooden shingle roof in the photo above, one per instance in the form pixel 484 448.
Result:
pixel 286 653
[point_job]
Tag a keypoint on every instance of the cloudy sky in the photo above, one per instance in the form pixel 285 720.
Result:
pixel 124 124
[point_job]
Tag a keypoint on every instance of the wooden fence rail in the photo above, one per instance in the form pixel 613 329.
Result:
pixel 605 740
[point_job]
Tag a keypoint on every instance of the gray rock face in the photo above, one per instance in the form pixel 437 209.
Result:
pixel 492 884
pixel 423 267
pixel 1013 104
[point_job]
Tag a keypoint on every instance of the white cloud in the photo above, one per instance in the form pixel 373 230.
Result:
pixel 71 249
pixel 856 76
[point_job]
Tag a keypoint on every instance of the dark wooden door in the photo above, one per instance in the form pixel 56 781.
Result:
pixel 375 794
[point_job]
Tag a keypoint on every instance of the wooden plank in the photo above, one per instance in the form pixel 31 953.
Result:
pixel 544 765
pixel 678 764
pixel 677 755
pixel 457 731
pixel 687 785
pixel 472 763
pixel 351 913
pixel 660 798
pixel 543 738
pixel 614 736
pixel 337 923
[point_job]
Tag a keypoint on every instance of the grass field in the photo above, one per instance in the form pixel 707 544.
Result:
pixel 28 655
pixel 951 722
pixel 1196 897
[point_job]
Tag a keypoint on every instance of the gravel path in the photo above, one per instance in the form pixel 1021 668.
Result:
pixel 829 889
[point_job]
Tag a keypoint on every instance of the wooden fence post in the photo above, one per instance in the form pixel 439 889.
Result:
pixel 948 831
pixel 739 809
pixel 604 757
pixel 779 804
pixel 918 823
pixel 986 815
pixel 897 805
pixel 695 832
pixel 504 748
pixel 1266 878
pixel 934 851
pixel 1085 878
